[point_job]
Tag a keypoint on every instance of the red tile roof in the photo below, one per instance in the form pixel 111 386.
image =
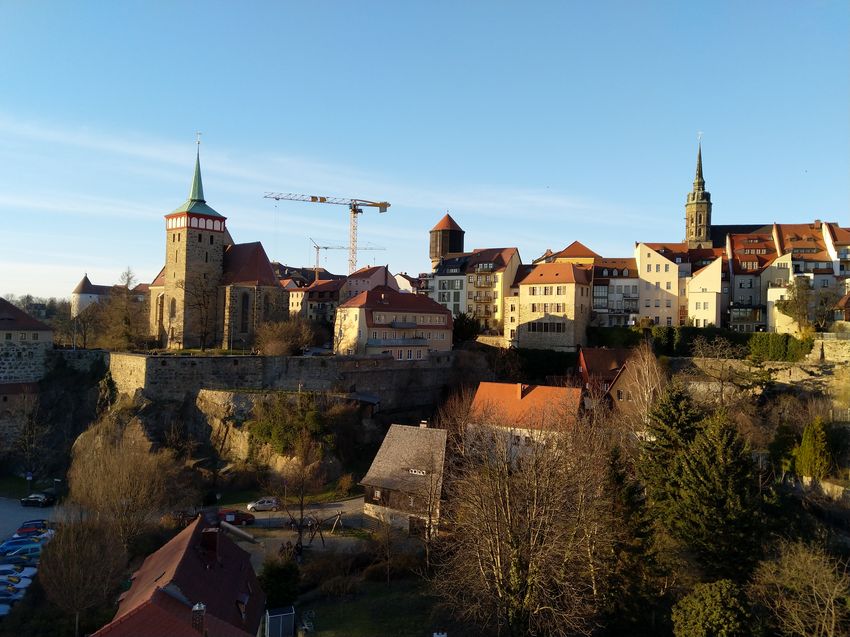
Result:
pixel 185 571
pixel 368 271
pixel 620 264
pixel 602 362
pixel 12 318
pixel 159 280
pixel 499 257
pixel 386 299
pixel 739 243
pixel 670 250
pixel 840 236
pixel 446 223
pixel 802 236
pixel 247 264
pixel 576 250
pixel 556 273
pixel 529 406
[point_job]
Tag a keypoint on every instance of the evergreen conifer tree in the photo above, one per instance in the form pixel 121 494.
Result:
pixel 813 457
pixel 716 503
pixel 673 423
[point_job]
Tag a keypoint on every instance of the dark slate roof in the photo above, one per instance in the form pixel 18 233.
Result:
pixel 14 318
pixel 87 287
pixel 247 264
pixel 453 263
pixel 717 233
pixel 405 452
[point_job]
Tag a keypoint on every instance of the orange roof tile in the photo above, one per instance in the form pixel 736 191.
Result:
pixel 446 223
pixel 576 250
pixel 603 362
pixel 556 273
pixel 529 406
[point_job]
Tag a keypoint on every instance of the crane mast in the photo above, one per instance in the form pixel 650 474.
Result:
pixel 355 207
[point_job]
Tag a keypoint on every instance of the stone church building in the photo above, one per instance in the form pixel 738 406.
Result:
pixel 211 292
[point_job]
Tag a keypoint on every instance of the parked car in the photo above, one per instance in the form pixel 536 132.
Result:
pixel 22 560
pixel 14 580
pixel 268 503
pixel 7 546
pixel 29 550
pixel 10 594
pixel 19 570
pixel 38 523
pixel 38 500
pixel 232 516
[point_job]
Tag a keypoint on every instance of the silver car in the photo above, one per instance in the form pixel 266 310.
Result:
pixel 265 504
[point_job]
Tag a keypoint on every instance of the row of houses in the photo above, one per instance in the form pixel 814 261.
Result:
pixel 720 275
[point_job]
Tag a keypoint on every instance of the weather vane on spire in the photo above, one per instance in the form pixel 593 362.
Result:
pixel 699 136
pixel 198 137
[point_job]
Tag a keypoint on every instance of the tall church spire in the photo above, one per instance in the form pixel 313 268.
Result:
pixel 699 182
pixel 698 210
pixel 197 191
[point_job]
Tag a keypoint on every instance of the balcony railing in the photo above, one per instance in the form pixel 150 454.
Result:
pixel 481 282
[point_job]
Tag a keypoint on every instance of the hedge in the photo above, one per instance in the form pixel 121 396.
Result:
pixel 678 341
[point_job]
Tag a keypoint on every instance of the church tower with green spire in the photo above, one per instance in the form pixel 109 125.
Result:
pixel 698 211
pixel 184 313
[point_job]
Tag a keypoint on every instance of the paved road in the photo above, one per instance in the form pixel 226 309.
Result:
pixel 12 514
pixel 351 509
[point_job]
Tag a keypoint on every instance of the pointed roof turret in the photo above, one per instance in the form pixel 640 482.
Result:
pixel 447 223
pixel 196 202
pixel 197 191
pixel 699 182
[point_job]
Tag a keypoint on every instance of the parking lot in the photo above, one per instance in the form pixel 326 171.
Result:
pixel 12 514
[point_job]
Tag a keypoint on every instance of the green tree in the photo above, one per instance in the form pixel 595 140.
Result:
pixel 716 504
pixel 812 457
pixel 673 423
pixel 466 328
pixel 715 609
pixel 279 580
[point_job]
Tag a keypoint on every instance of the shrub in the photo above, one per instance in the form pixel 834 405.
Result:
pixel 338 586
pixel 712 610
pixel 279 580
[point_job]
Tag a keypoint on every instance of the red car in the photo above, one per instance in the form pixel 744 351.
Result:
pixel 234 516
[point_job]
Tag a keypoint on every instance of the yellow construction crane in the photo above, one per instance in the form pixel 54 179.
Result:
pixel 355 207
pixel 317 247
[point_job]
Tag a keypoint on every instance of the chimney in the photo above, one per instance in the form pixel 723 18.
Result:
pixel 199 610
pixel 521 390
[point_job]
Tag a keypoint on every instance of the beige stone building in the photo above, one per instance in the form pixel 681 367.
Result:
pixel 549 307
pixel 211 292
pixel 24 343
pixel 386 321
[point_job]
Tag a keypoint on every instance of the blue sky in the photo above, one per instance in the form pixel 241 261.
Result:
pixel 534 124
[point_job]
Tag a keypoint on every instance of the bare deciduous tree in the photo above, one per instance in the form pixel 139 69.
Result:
pixel 647 379
pixel 806 592
pixel 285 338
pixel 201 296
pixel 531 528
pixel 81 567
pixel 125 485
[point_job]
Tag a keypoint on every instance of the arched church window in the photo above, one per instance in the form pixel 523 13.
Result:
pixel 266 307
pixel 172 309
pixel 246 305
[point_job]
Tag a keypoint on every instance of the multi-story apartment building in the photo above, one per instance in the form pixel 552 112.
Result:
pixel 386 321
pixel 471 283
pixel 549 307
pixel 616 292
pixel 662 268
pixel 316 302
pixel 366 279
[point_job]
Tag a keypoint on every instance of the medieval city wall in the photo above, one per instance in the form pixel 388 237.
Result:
pixel 395 384
pixel 831 350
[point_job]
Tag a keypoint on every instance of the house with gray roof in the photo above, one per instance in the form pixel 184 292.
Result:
pixel 404 485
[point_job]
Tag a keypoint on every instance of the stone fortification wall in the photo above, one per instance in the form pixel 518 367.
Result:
pixel 831 350
pixel 396 384
pixel 82 360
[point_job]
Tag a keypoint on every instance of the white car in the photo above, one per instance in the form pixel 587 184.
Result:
pixel 19 571
pixel 265 504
